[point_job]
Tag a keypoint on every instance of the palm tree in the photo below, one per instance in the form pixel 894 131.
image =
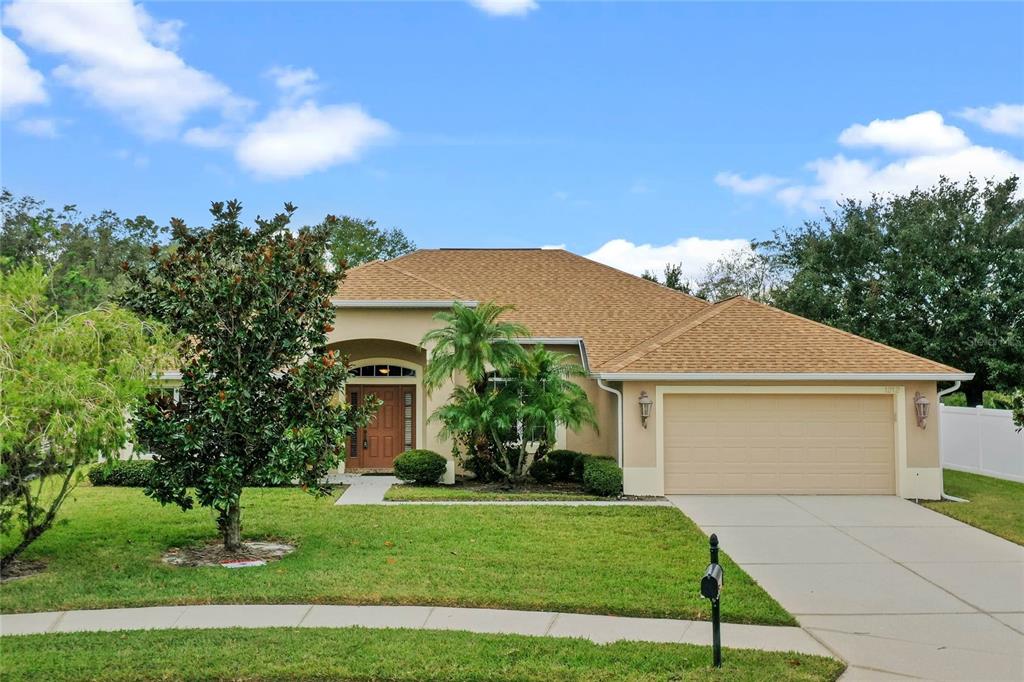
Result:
pixel 550 397
pixel 471 342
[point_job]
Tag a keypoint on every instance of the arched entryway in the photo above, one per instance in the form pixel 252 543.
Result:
pixel 398 384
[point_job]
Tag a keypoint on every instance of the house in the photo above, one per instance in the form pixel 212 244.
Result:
pixel 742 397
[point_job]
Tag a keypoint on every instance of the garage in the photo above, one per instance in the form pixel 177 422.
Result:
pixel 772 443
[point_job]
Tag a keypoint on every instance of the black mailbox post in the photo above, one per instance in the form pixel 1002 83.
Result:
pixel 711 588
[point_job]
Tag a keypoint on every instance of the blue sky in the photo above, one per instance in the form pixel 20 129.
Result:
pixel 601 126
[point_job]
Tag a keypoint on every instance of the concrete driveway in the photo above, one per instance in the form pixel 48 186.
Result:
pixel 891 587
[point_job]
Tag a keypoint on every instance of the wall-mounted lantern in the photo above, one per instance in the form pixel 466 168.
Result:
pixel 921 406
pixel 645 407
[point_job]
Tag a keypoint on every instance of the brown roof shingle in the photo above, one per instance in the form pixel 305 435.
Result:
pixel 628 324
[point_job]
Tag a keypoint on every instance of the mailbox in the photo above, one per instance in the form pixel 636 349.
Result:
pixel 711 583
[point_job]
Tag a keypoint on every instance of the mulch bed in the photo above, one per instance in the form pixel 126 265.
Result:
pixel 214 554
pixel 472 485
pixel 20 568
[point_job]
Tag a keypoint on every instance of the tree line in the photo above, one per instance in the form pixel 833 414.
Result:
pixel 938 272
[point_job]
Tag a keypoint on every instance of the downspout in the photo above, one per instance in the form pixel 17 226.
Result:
pixel 938 396
pixel 618 395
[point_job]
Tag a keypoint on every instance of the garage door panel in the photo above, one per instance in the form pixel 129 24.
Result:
pixel 785 443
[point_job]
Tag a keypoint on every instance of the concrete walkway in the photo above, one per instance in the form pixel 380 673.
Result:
pixel 365 489
pixel 891 587
pixel 371 490
pixel 600 629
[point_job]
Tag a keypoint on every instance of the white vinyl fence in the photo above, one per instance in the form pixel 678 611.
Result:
pixel 981 441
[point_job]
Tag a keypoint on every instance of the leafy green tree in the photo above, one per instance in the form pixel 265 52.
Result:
pixel 672 278
pixel 82 253
pixel 512 421
pixel 742 272
pixel 67 384
pixel 937 272
pixel 259 387
pixel 354 241
pixel 472 342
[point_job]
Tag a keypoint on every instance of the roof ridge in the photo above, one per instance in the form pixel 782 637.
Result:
pixel 851 335
pixel 446 290
pixel 669 333
pixel 696 299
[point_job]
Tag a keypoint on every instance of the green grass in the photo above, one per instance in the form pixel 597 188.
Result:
pixel 414 493
pixel 995 505
pixel 614 560
pixel 361 654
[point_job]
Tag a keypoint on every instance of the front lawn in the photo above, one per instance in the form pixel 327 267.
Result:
pixel 995 505
pixel 362 654
pixel 614 560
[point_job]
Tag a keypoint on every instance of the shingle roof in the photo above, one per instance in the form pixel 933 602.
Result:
pixel 628 324
pixel 742 336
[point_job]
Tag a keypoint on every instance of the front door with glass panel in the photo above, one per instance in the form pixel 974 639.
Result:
pixel 390 433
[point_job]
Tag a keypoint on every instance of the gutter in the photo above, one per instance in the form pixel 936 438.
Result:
pixel 780 376
pixel 938 397
pixel 618 395
pixel 373 303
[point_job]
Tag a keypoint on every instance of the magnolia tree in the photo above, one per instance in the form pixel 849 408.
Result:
pixel 259 395
pixel 67 386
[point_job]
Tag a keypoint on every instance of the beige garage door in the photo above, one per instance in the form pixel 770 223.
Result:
pixel 779 443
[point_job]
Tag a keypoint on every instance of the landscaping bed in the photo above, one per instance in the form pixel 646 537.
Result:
pixel 365 654
pixel 635 561
pixel 995 505
pixel 470 490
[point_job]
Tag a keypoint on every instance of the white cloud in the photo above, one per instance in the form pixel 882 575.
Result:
pixel 294 141
pixel 20 84
pixel 694 253
pixel 210 138
pixel 923 133
pixel 38 127
pixel 294 84
pixel 553 247
pixel 1007 119
pixel 840 177
pixel 753 185
pixel 505 8
pixel 925 149
pixel 122 58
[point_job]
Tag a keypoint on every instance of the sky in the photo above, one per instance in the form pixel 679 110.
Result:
pixel 636 133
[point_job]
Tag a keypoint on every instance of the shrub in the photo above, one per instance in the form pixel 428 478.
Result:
pixel 543 471
pixel 133 473
pixel 566 465
pixel 422 467
pixel 602 476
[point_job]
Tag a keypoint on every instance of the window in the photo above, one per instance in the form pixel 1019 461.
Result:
pixel 353 441
pixel 382 371
pixel 407 419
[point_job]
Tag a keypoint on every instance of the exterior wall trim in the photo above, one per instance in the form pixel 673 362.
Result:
pixel 905 478
pixel 779 376
pixel 349 303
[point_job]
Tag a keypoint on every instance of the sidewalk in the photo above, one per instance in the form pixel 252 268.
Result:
pixel 599 629
pixel 371 490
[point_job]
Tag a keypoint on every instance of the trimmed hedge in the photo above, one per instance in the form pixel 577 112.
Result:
pixel 422 467
pixel 602 476
pixel 132 473
pixel 566 465
pixel 543 471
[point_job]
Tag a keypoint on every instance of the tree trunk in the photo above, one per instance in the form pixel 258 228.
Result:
pixel 30 536
pixel 231 527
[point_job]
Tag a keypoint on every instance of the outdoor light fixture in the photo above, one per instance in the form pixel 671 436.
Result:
pixel 645 407
pixel 921 405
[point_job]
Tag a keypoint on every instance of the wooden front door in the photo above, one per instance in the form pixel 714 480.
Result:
pixel 390 433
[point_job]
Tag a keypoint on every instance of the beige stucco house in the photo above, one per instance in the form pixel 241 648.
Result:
pixel 744 398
